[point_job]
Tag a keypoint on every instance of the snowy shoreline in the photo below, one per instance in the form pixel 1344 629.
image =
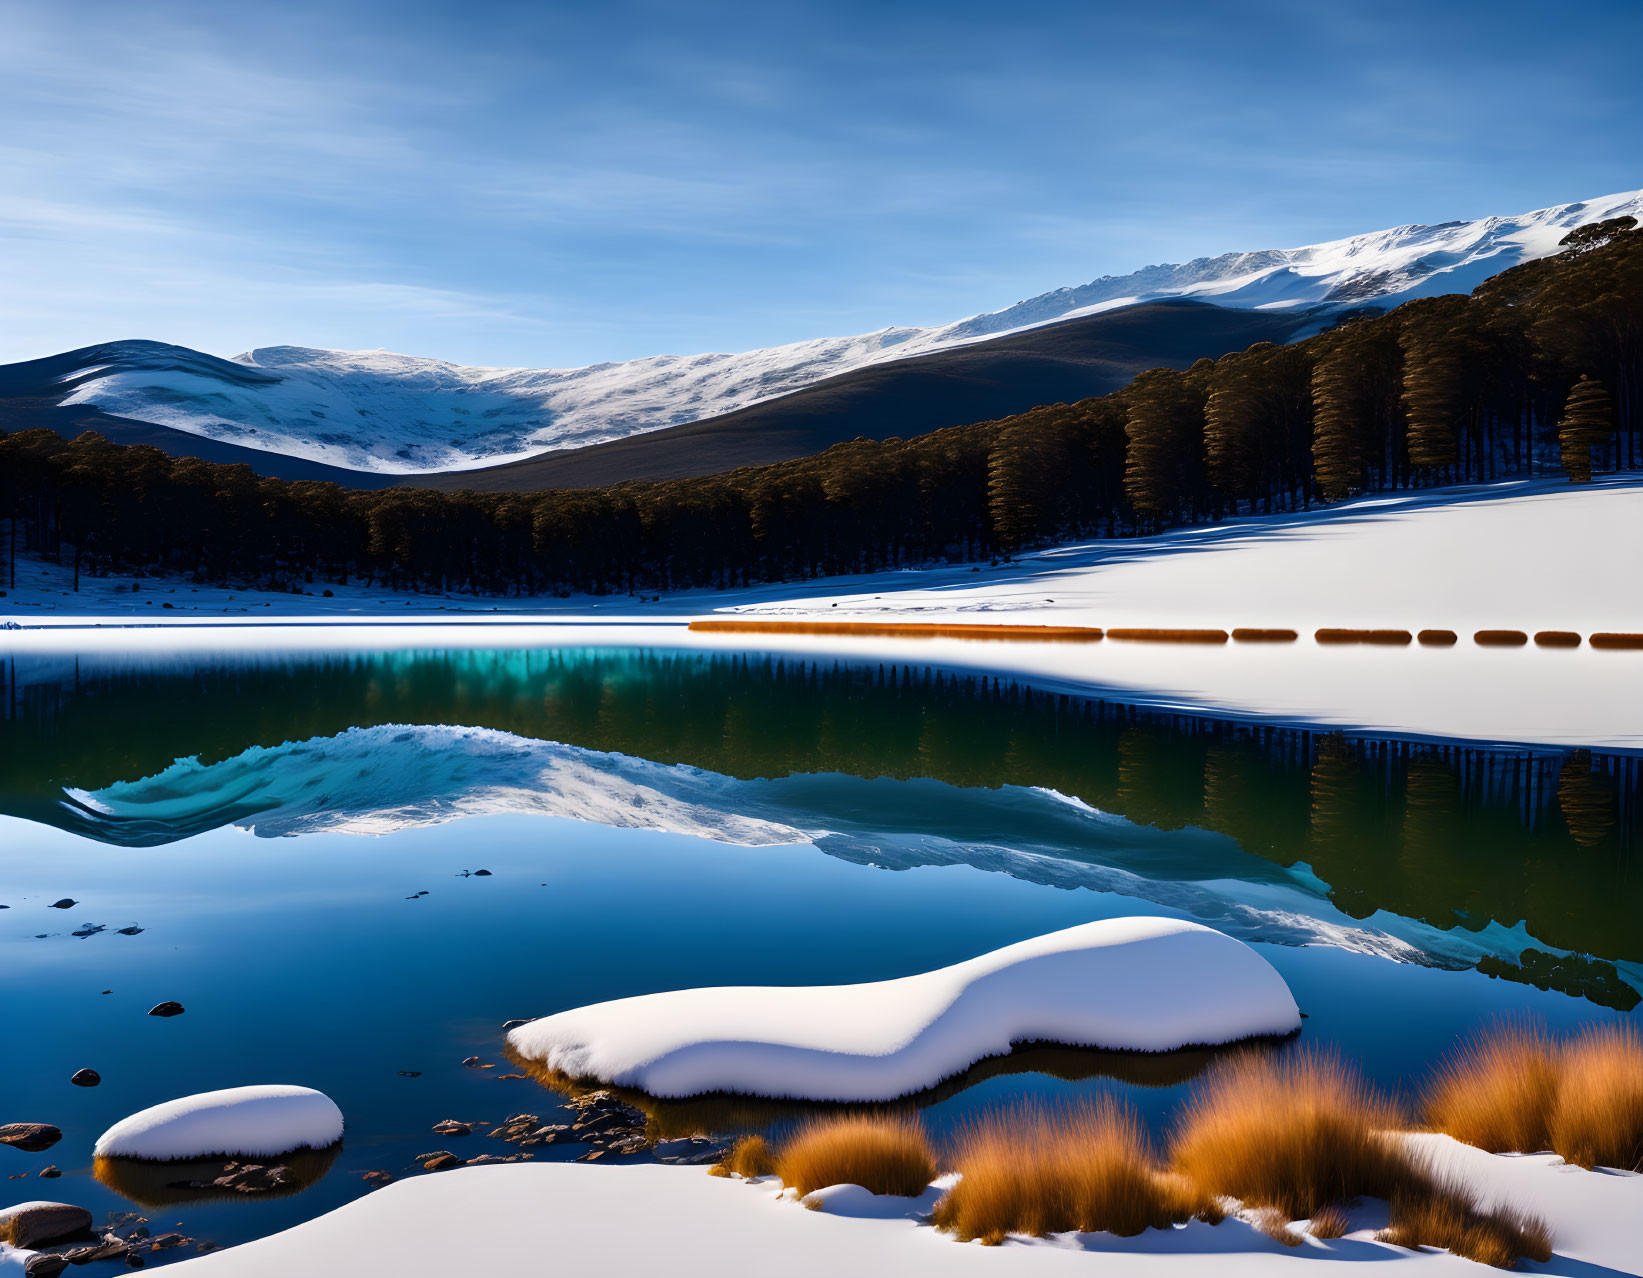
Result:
pixel 584 1217
pixel 1500 556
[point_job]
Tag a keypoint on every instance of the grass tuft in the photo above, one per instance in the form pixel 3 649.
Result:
pixel 749 1157
pixel 1497 1091
pixel 1043 1171
pixel 1330 1222
pixel 1275 1225
pixel 1299 1133
pixel 883 1153
pixel 1598 1118
pixel 1448 1216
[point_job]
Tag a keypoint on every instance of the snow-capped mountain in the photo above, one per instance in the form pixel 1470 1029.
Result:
pixel 399 414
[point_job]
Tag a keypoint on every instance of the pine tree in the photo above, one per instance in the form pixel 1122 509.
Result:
pixel 1588 421
pixel 1431 393
pixel 1164 428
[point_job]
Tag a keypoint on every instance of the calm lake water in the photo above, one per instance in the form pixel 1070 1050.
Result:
pixel 295 837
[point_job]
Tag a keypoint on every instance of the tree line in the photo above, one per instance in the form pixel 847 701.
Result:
pixel 1540 365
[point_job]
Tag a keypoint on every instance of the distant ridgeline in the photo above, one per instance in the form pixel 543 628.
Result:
pixel 1456 836
pixel 1545 356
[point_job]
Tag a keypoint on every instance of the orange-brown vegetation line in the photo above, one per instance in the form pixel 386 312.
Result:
pixel 903 630
pixel 1329 635
pixel 1157 635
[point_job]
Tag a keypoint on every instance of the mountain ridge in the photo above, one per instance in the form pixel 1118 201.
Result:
pixel 393 416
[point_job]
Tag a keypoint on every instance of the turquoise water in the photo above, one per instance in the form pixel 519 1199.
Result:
pixel 662 820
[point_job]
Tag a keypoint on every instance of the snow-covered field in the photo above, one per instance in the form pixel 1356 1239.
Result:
pixel 529 1217
pixel 401 414
pixel 1138 984
pixel 1522 554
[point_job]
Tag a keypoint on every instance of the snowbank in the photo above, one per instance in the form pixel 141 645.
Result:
pixel 1141 984
pixel 258 1122
pixel 684 1223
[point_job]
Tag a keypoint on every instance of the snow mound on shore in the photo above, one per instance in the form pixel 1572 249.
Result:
pixel 258 1122
pixel 1142 984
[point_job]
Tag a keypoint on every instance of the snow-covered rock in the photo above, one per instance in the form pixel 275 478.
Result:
pixel 1142 984
pixel 261 1121
pixel 400 414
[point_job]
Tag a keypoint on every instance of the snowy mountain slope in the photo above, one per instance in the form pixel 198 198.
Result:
pixel 400 414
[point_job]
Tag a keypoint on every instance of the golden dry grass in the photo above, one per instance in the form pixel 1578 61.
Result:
pixel 1598 1118
pixel 1146 634
pixel 883 1153
pixel 1275 1225
pixel 1496 1091
pixel 750 1157
pixel 1330 1222
pixel 902 630
pixel 1300 1133
pixel 1447 1216
pixel 1043 1171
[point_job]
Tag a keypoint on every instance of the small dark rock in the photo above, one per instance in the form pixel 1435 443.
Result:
pixel 410 1073
pixel 67 903
pixel 508 1025
pixel 378 1178
pixel 86 1078
pixel 689 1150
pixel 165 1242
pixel 90 929
pixel 133 1260
pixel 441 1162
pixel 31 1138
pixel 482 874
pixel 452 1127
pixel 252 1178
pixel 168 1008
pixel 472 1062
pixel 129 931
pixel 50 1173
pixel 44 1265
pixel 110 1248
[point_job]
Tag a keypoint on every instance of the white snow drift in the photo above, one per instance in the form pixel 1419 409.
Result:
pixel 681 1222
pixel 400 414
pixel 261 1121
pixel 1143 984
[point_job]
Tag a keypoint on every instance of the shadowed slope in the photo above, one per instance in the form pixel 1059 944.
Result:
pixel 1060 363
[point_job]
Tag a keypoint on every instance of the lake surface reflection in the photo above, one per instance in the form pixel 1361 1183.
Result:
pixel 655 820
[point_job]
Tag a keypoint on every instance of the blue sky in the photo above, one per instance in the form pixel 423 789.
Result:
pixel 549 184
